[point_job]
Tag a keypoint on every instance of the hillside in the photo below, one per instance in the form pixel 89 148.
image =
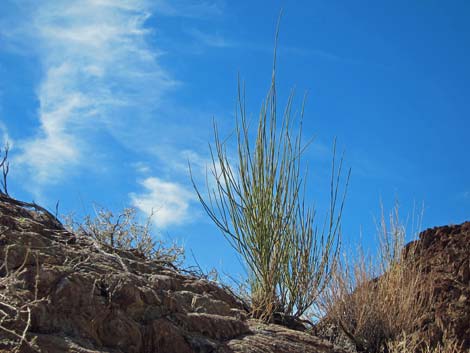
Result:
pixel 445 253
pixel 60 292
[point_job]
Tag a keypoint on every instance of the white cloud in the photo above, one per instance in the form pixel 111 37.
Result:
pixel 4 136
pixel 101 73
pixel 141 167
pixel 178 162
pixel 215 40
pixel 102 76
pixel 188 8
pixel 169 201
pixel 465 195
pixel 98 67
pixel 173 203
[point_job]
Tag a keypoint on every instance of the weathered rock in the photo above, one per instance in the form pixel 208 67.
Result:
pixel 274 339
pixel 74 295
pixel 330 331
pixel 445 253
pixel 444 256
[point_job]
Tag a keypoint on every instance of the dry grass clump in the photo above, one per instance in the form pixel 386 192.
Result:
pixel 407 344
pixel 375 302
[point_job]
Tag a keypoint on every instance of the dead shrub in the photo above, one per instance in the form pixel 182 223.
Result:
pixel 125 232
pixel 15 310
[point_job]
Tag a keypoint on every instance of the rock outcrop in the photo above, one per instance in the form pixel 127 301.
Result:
pixel 60 292
pixel 445 254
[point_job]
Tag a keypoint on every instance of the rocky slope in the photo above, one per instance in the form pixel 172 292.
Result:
pixel 445 253
pixel 60 292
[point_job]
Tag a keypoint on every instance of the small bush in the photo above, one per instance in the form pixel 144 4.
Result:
pixel 259 205
pixel 375 302
pixel 125 232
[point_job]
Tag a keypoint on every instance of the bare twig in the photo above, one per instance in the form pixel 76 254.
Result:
pixel 5 166
pixel 11 317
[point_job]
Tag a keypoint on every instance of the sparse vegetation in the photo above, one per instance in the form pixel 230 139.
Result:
pixel 125 232
pixel 407 344
pixel 259 205
pixel 15 312
pixel 5 167
pixel 258 201
pixel 376 302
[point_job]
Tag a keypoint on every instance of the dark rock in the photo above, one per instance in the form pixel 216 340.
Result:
pixel 445 253
pixel 87 298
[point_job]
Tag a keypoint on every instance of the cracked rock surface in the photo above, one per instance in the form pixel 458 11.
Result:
pixel 445 252
pixel 60 292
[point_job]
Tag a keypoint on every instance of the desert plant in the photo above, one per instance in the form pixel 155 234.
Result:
pixel 125 232
pixel 408 343
pixel 259 205
pixel 375 301
pixel 5 167
pixel 15 312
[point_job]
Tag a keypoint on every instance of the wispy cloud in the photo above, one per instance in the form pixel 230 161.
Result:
pixel 215 40
pixel 176 202
pixel 465 195
pixel 169 202
pixel 102 75
pixel 97 68
pixel 4 136
pixel 141 167
pixel 189 8
pixel 172 202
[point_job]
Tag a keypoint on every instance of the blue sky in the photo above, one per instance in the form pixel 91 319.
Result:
pixel 104 101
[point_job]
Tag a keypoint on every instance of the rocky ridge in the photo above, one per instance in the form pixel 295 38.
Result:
pixel 444 256
pixel 60 292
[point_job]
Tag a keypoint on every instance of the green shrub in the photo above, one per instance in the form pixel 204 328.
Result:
pixel 259 205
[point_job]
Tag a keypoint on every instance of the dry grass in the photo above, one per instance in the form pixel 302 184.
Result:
pixel 375 302
pixel 407 344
